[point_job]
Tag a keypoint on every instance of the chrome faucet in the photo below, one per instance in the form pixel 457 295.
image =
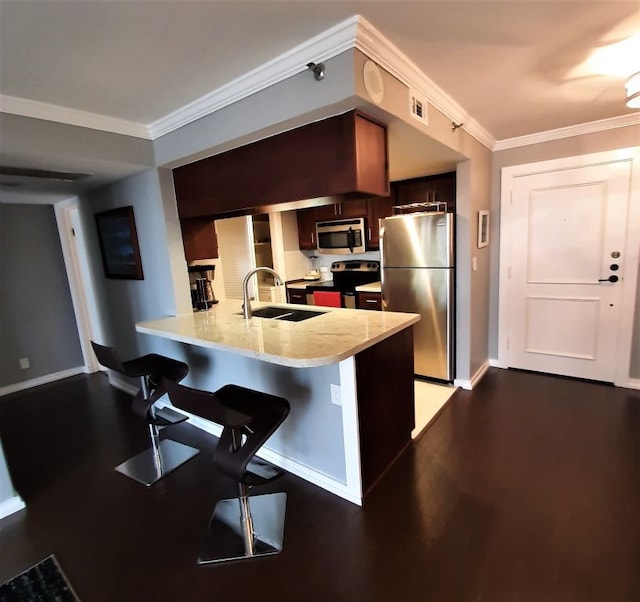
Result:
pixel 246 303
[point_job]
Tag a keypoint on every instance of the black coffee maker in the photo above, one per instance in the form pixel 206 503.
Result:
pixel 200 278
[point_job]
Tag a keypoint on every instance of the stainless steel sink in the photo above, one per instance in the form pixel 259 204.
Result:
pixel 285 313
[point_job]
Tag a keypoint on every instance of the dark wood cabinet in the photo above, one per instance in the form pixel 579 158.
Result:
pixel 377 208
pixel 295 295
pixel 438 188
pixel 199 239
pixel 307 228
pixel 369 301
pixel 345 154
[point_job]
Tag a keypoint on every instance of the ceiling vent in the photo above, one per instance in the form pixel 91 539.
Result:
pixel 44 174
pixel 418 107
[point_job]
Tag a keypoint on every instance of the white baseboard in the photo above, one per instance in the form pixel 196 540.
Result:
pixel 633 383
pixel 475 379
pixel 13 504
pixel 41 380
pixel 300 470
pixel 496 363
pixel 118 382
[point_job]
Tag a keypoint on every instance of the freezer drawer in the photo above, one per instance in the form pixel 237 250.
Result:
pixel 427 292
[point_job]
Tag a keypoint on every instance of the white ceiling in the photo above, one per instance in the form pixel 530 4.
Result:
pixel 510 64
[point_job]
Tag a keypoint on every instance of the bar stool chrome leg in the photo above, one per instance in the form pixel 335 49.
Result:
pixel 161 458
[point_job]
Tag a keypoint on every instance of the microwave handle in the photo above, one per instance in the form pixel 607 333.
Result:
pixel 351 239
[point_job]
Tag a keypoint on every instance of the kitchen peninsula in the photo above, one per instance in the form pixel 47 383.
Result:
pixel 348 375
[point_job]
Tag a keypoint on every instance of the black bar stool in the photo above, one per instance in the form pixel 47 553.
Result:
pixel 163 456
pixel 246 526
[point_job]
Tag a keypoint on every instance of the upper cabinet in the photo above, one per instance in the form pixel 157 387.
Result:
pixel 377 209
pixel 345 154
pixel 439 188
pixel 199 239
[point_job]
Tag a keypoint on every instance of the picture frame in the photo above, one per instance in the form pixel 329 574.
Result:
pixel 483 229
pixel 119 244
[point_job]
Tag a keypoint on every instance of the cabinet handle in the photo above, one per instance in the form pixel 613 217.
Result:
pixel 370 300
pixel 369 233
pixel 313 238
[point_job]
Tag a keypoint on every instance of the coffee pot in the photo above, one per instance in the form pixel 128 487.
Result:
pixel 202 296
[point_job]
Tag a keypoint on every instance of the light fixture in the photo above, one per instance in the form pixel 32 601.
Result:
pixel 633 91
pixel 319 71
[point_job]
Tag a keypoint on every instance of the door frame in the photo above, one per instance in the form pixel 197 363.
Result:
pixel 629 273
pixel 80 279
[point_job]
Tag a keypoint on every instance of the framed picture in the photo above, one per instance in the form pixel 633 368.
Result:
pixel 483 229
pixel 119 244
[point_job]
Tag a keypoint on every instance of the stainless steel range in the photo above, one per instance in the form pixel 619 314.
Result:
pixel 341 291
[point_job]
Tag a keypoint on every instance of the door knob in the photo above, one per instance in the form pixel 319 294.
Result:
pixel 612 278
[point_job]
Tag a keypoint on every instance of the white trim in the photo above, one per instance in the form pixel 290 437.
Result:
pixel 300 470
pixel 632 383
pixel 12 505
pixel 495 363
pixel 631 251
pixel 382 51
pixel 567 132
pixel 324 46
pixel 40 380
pixel 85 119
pixel 80 284
pixel 468 385
pixel 117 380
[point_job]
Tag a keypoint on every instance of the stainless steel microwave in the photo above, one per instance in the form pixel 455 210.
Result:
pixel 341 237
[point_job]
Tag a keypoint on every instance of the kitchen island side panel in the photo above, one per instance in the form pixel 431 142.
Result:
pixel 386 403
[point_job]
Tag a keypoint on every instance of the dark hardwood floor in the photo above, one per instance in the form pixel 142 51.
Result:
pixel 525 489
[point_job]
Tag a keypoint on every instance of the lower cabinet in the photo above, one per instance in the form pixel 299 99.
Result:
pixel 369 301
pixel 296 295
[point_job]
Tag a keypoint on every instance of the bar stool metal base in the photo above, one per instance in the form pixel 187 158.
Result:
pixel 148 466
pixel 228 531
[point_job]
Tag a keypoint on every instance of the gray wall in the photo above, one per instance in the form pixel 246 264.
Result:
pixel 618 138
pixel 122 303
pixel 36 315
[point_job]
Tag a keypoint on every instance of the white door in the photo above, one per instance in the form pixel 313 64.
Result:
pixel 567 229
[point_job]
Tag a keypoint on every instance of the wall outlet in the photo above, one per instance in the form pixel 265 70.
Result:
pixel 24 363
pixel 336 395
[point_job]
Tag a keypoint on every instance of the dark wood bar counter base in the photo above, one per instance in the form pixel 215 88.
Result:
pixel 526 488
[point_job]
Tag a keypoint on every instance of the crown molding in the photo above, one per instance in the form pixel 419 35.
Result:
pixel 49 112
pixel 377 47
pixel 322 47
pixel 567 132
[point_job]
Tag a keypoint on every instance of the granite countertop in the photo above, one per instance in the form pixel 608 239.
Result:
pixel 321 340
pixel 372 287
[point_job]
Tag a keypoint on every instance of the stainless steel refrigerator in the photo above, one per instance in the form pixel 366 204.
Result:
pixel 417 266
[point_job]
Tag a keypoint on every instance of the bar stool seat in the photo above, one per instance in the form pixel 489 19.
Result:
pixel 164 455
pixel 246 526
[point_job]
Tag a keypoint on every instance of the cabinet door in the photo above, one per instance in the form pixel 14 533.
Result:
pixel 440 188
pixel 297 296
pixel 370 301
pixel 327 212
pixel 199 239
pixel 352 208
pixel 307 228
pixel 378 208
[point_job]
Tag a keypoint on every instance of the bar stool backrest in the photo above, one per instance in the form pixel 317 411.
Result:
pixel 248 419
pixel 108 357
